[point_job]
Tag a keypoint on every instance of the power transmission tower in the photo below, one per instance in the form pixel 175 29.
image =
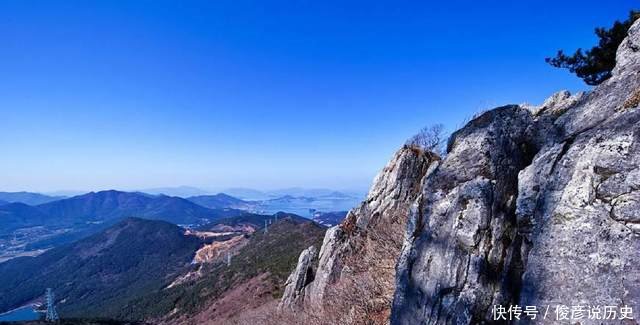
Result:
pixel 265 226
pixel 52 314
pixel 228 259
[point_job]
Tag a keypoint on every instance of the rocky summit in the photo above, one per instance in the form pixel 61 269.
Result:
pixel 531 206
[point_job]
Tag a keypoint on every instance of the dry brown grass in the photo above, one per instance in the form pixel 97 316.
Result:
pixel 633 100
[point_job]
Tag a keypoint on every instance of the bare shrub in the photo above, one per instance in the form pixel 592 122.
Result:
pixel 430 138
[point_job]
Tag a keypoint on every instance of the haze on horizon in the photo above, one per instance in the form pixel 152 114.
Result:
pixel 145 94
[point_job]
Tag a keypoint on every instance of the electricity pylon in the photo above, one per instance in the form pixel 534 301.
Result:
pixel 52 314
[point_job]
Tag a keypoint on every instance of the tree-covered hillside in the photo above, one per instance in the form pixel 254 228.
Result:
pixel 99 275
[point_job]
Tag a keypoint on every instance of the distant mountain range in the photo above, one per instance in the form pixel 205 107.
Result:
pixel 24 209
pixel 312 192
pixel 27 198
pixel 256 195
pixel 106 206
pixel 247 194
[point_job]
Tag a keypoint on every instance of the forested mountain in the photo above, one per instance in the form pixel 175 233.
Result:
pixel 99 275
pixel 18 215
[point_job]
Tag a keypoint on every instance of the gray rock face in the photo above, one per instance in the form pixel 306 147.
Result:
pixel 462 252
pixel 301 277
pixel 558 103
pixel 580 199
pixel 354 281
pixel 538 208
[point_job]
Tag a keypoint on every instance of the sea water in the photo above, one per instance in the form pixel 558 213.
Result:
pixel 20 314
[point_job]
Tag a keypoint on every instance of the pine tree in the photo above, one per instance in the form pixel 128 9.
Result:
pixel 595 65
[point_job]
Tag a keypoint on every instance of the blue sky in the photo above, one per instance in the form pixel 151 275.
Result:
pixel 263 94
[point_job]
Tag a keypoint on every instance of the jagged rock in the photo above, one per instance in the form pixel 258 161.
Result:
pixel 354 281
pixel 327 270
pixel 461 253
pixel 531 209
pixel 580 196
pixel 558 103
pixel 301 277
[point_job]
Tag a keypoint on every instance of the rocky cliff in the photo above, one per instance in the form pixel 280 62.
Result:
pixel 354 277
pixel 532 206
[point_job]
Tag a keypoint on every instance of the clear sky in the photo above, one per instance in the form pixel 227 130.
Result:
pixel 263 94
